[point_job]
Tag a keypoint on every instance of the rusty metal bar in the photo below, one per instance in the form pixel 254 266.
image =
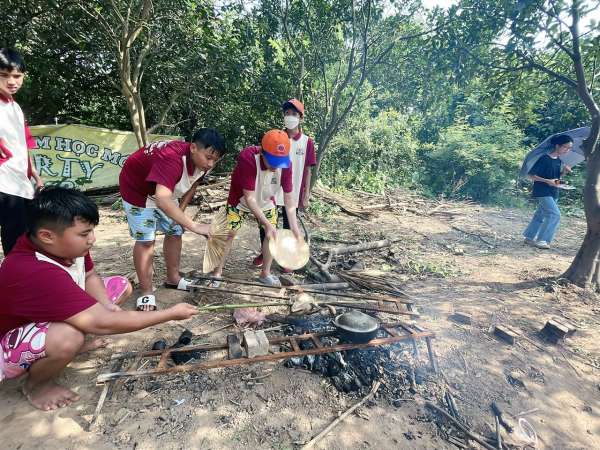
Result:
pixel 265 358
pixel 162 363
pixel 317 342
pixel 294 344
pixel 391 331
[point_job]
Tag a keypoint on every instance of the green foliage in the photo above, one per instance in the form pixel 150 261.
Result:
pixel 434 112
pixel 372 153
pixel 323 210
pixel 479 162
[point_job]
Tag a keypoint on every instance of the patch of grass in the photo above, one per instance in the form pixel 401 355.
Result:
pixel 423 269
pixel 324 211
pixel 118 205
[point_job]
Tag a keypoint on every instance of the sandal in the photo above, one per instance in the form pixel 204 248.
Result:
pixel 181 286
pixel 146 300
pixel 270 280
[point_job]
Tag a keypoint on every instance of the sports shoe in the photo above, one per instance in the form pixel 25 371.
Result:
pixel 270 280
pixel 258 261
pixel 542 244
pixel 531 242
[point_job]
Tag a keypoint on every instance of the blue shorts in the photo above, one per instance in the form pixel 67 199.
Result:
pixel 145 222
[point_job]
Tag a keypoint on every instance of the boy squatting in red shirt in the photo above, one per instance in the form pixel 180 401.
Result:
pixel 43 324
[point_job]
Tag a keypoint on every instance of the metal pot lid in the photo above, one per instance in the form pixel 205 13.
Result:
pixel 356 322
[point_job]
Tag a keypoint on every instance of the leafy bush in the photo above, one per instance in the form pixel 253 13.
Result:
pixel 372 153
pixel 479 162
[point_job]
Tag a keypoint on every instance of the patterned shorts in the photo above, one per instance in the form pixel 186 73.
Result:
pixel 235 217
pixel 24 345
pixel 145 222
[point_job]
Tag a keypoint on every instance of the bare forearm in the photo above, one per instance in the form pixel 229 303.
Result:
pixel 101 321
pixel 126 321
pixel 34 173
pixel 95 287
pixel 307 178
pixel 541 179
pixel 254 209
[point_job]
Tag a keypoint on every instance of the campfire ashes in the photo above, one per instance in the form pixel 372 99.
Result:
pixel 356 370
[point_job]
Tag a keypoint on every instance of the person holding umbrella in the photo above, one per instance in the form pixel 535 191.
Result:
pixel 545 174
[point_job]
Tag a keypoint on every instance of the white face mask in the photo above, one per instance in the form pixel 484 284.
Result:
pixel 291 122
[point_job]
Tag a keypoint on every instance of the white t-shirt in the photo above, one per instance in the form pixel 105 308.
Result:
pixel 298 158
pixel 13 172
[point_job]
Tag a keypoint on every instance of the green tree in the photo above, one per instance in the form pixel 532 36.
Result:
pixel 548 37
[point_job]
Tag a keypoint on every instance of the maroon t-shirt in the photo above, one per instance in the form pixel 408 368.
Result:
pixel 35 290
pixel 157 163
pixel 244 175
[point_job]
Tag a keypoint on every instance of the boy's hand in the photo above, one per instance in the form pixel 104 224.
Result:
pixel 298 235
pixel 270 231
pixel 202 229
pixel 39 183
pixel 182 311
pixel 3 150
pixel 553 182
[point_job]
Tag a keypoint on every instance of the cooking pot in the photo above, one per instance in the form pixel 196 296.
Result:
pixel 356 327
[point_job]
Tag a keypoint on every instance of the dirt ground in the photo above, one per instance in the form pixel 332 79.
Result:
pixel 472 261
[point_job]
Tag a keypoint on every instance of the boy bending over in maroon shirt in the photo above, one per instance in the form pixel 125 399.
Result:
pixel 51 297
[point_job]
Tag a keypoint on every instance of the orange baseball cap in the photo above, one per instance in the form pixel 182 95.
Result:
pixel 276 148
pixel 296 104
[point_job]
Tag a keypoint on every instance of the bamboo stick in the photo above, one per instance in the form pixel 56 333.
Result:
pixel 322 434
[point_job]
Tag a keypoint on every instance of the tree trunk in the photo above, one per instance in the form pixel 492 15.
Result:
pixel 323 145
pixel 585 267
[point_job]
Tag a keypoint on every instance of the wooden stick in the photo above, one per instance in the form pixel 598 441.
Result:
pixel 498 437
pixel 570 364
pixel 460 426
pixel 485 241
pixel 298 287
pixel 106 390
pixel 343 249
pixel 238 305
pixel 322 434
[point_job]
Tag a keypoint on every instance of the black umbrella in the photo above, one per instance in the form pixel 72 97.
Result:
pixel 574 157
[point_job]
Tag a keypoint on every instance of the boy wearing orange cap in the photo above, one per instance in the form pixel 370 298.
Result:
pixel 303 157
pixel 260 173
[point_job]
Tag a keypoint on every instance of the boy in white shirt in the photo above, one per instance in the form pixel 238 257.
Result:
pixel 16 169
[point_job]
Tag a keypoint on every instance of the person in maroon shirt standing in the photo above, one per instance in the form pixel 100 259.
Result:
pixel 303 157
pixel 152 181
pixel 43 323
pixel 260 173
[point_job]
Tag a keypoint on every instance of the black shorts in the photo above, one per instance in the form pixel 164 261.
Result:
pixel 12 219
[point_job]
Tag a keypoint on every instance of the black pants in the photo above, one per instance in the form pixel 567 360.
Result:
pixel 12 220
pixel 286 223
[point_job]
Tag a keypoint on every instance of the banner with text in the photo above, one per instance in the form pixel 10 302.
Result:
pixel 81 156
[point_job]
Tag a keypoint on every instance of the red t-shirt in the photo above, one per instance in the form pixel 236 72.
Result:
pixel 157 163
pixel 54 296
pixel 244 175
